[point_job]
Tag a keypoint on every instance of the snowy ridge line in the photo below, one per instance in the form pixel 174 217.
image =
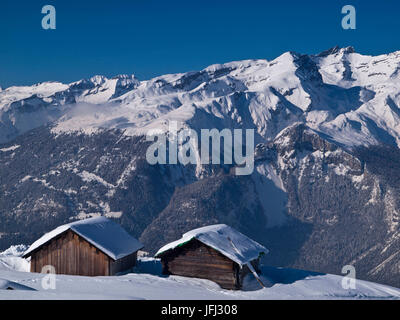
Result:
pixel 349 97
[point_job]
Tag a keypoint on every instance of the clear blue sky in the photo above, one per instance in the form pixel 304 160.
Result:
pixel 149 37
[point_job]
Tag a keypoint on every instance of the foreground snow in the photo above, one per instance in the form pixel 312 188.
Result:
pixel 147 283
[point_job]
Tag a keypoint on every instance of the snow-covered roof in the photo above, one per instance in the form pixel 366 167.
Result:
pixel 106 235
pixel 226 240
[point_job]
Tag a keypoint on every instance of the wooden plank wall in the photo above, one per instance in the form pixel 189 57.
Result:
pixel 245 270
pixel 123 264
pixel 71 254
pixel 195 259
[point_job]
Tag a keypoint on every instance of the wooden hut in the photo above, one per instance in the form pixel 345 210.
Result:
pixel 90 247
pixel 218 253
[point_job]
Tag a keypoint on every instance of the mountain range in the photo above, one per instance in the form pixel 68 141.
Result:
pixel 324 192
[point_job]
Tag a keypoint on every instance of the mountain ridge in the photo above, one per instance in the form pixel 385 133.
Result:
pixel 323 194
pixel 314 89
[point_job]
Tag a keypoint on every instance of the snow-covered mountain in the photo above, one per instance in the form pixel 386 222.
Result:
pixel 25 108
pixel 324 192
pixel 348 97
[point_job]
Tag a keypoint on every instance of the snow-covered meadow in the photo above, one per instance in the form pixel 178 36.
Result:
pixel 146 282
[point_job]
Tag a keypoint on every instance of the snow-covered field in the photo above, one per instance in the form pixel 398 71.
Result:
pixel 148 283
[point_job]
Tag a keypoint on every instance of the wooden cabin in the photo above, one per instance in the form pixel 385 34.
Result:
pixel 218 253
pixel 91 247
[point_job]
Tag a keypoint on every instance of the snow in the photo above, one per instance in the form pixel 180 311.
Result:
pixel 12 148
pixel 224 239
pixel 11 259
pixel 88 177
pixel 354 101
pixel 16 251
pixel 148 283
pixel 101 232
pixel 127 172
pixel 382 265
pixel 9 285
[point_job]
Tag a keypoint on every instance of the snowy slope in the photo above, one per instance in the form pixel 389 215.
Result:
pixel 351 98
pixel 27 107
pixel 147 284
pixel 10 259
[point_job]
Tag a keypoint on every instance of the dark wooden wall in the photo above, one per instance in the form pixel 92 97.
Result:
pixel 195 259
pixel 123 264
pixel 71 254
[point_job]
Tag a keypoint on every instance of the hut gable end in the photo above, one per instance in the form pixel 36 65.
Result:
pixel 70 254
pixel 195 259
pixel 92 247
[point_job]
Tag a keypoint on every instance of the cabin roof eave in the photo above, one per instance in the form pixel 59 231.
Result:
pixel 115 253
pixel 182 244
pixel 222 238
pixel 26 255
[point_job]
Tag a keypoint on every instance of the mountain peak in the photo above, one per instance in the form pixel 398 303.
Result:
pixel 125 76
pixel 335 50
pixel 348 49
pixel 98 79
